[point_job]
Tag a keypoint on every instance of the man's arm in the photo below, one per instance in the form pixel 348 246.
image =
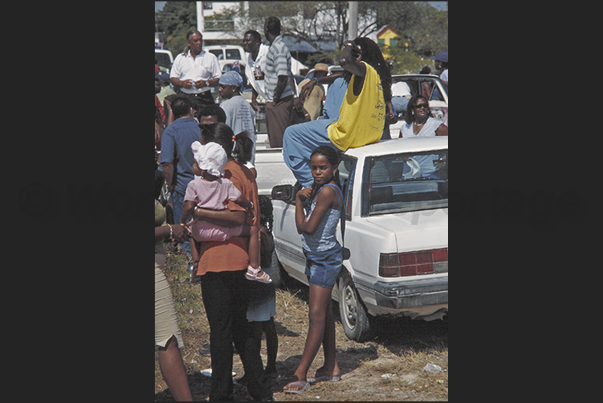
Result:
pixel 168 172
pixel 179 83
pixel 350 59
pixel 280 87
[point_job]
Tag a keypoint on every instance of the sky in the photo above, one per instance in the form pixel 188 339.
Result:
pixel 440 5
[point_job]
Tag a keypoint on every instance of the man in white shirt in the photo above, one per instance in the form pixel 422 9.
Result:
pixel 255 53
pixel 196 70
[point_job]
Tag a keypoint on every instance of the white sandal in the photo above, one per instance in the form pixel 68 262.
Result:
pixel 253 276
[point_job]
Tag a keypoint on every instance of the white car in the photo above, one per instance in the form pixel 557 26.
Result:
pixel 227 55
pixel 396 229
pixel 164 59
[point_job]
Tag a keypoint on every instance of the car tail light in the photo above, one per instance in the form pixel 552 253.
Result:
pixel 411 263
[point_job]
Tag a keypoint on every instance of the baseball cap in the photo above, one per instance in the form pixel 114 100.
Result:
pixel 442 56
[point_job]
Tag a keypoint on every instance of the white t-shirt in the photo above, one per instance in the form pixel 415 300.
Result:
pixel 444 75
pixel 203 67
pixel 428 129
pixel 240 116
pixel 259 66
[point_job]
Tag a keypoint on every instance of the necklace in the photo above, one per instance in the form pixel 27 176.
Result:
pixel 419 124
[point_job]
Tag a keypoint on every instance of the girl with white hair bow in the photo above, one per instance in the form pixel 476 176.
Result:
pixel 211 190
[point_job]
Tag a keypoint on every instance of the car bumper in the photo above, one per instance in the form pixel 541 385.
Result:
pixel 408 298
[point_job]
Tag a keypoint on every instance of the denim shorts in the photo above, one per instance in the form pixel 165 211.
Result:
pixel 323 267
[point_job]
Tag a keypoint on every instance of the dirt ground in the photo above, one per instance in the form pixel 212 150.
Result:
pixel 389 367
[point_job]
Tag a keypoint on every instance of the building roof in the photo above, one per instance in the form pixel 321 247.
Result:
pixel 384 30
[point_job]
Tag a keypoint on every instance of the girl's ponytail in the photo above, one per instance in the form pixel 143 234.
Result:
pixel 242 148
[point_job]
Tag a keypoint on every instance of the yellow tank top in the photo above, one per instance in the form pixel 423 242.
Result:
pixel 361 118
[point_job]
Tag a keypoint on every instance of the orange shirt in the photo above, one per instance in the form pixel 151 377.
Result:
pixel 231 255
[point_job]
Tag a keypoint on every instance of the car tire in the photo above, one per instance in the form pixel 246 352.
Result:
pixel 276 271
pixel 354 317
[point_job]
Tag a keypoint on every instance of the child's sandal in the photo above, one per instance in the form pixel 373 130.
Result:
pixel 252 274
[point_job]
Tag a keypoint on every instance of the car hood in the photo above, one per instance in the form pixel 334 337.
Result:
pixel 418 230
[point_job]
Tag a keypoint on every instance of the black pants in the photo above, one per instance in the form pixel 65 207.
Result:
pixel 225 300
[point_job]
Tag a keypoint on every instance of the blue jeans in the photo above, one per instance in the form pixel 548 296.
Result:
pixel 299 141
pixel 177 204
pixel 323 267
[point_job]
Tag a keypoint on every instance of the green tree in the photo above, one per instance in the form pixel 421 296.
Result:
pixel 174 20
pixel 422 26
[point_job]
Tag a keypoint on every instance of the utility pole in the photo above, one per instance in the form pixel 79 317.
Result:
pixel 353 20
pixel 200 20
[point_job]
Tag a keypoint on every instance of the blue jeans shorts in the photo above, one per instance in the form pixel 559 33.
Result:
pixel 323 267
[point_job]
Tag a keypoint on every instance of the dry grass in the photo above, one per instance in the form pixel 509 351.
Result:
pixel 389 367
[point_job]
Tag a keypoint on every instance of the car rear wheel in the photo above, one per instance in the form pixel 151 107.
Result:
pixel 354 316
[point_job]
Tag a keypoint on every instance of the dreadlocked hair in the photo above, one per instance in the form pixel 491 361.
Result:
pixel 373 56
pixel 333 157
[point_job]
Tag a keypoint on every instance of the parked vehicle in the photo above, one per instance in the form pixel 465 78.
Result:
pixel 164 59
pixel 228 55
pixel 269 162
pixel 395 218
pixel 425 84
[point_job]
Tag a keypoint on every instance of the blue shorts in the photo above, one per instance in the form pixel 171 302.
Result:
pixel 323 267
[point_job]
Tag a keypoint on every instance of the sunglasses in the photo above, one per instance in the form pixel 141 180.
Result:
pixel 420 106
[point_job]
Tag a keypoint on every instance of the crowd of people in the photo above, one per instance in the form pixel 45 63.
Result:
pixel 205 155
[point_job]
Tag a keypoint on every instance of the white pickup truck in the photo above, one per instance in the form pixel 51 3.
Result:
pixel 396 229
pixel 269 162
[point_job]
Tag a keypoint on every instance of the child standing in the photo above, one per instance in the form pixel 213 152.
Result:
pixel 324 257
pixel 212 191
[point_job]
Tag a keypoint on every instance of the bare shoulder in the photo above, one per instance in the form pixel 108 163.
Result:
pixel 327 195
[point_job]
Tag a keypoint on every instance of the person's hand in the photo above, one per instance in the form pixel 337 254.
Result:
pixel 251 212
pixel 298 104
pixel 180 233
pixel 350 53
pixel 307 89
pixel 188 84
pixel 254 105
pixel 304 194
pixel 200 83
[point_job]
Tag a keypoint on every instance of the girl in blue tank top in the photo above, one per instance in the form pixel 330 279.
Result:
pixel 317 226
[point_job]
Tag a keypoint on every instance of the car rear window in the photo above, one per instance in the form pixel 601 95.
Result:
pixel 407 182
pixel 233 54
pixel 218 52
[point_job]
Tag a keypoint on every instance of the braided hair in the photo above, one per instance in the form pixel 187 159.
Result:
pixel 373 56
pixel 238 147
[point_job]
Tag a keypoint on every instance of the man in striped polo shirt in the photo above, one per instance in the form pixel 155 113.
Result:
pixel 279 94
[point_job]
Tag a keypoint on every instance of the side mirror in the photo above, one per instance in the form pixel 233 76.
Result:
pixel 282 192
